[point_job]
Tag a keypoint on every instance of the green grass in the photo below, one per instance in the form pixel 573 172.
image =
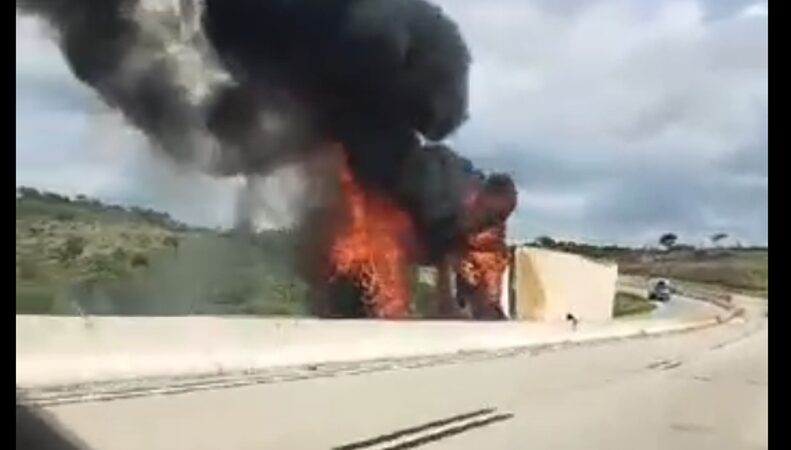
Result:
pixel 627 304
pixel 741 271
pixel 101 259
pixel 34 299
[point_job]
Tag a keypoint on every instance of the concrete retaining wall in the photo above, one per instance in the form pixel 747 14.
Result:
pixel 550 284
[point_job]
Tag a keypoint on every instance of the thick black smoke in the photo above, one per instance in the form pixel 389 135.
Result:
pixel 109 50
pixel 380 76
pixel 383 77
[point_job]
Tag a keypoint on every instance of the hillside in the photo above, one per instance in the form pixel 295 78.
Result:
pixel 82 256
pixel 737 270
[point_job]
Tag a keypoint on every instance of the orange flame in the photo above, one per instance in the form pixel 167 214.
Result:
pixel 370 248
pixel 484 263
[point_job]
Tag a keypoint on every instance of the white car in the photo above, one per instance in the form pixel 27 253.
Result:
pixel 661 291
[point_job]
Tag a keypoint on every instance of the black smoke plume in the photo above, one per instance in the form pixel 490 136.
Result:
pixel 109 50
pixel 386 78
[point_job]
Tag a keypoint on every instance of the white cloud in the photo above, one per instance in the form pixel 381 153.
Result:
pixel 758 9
pixel 36 55
pixel 610 93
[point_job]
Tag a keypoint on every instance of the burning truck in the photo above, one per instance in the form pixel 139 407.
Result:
pixel 360 94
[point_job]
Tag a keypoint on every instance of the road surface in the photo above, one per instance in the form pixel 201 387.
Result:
pixel 680 306
pixel 702 390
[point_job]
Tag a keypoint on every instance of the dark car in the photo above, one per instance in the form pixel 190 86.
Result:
pixel 661 291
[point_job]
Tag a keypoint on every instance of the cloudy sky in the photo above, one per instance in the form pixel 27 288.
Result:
pixel 619 119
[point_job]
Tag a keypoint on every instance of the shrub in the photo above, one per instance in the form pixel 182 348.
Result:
pixel 139 260
pixel 65 216
pixel 119 254
pixel 102 267
pixel 72 248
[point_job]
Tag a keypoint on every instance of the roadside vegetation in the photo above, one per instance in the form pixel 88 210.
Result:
pixel 627 304
pixel 80 256
pixel 745 271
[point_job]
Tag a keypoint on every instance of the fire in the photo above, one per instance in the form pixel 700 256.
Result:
pixel 373 248
pixel 482 267
pixel 370 248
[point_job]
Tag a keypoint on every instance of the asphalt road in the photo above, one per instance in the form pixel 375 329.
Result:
pixel 702 390
pixel 679 306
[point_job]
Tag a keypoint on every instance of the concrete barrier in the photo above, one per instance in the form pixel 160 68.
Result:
pixel 67 350
pixel 550 284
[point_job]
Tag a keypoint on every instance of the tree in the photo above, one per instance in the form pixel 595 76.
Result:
pixel 55 198
pixel 545 241
pixel 668 240
pixel 717 237
pixel 28 192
